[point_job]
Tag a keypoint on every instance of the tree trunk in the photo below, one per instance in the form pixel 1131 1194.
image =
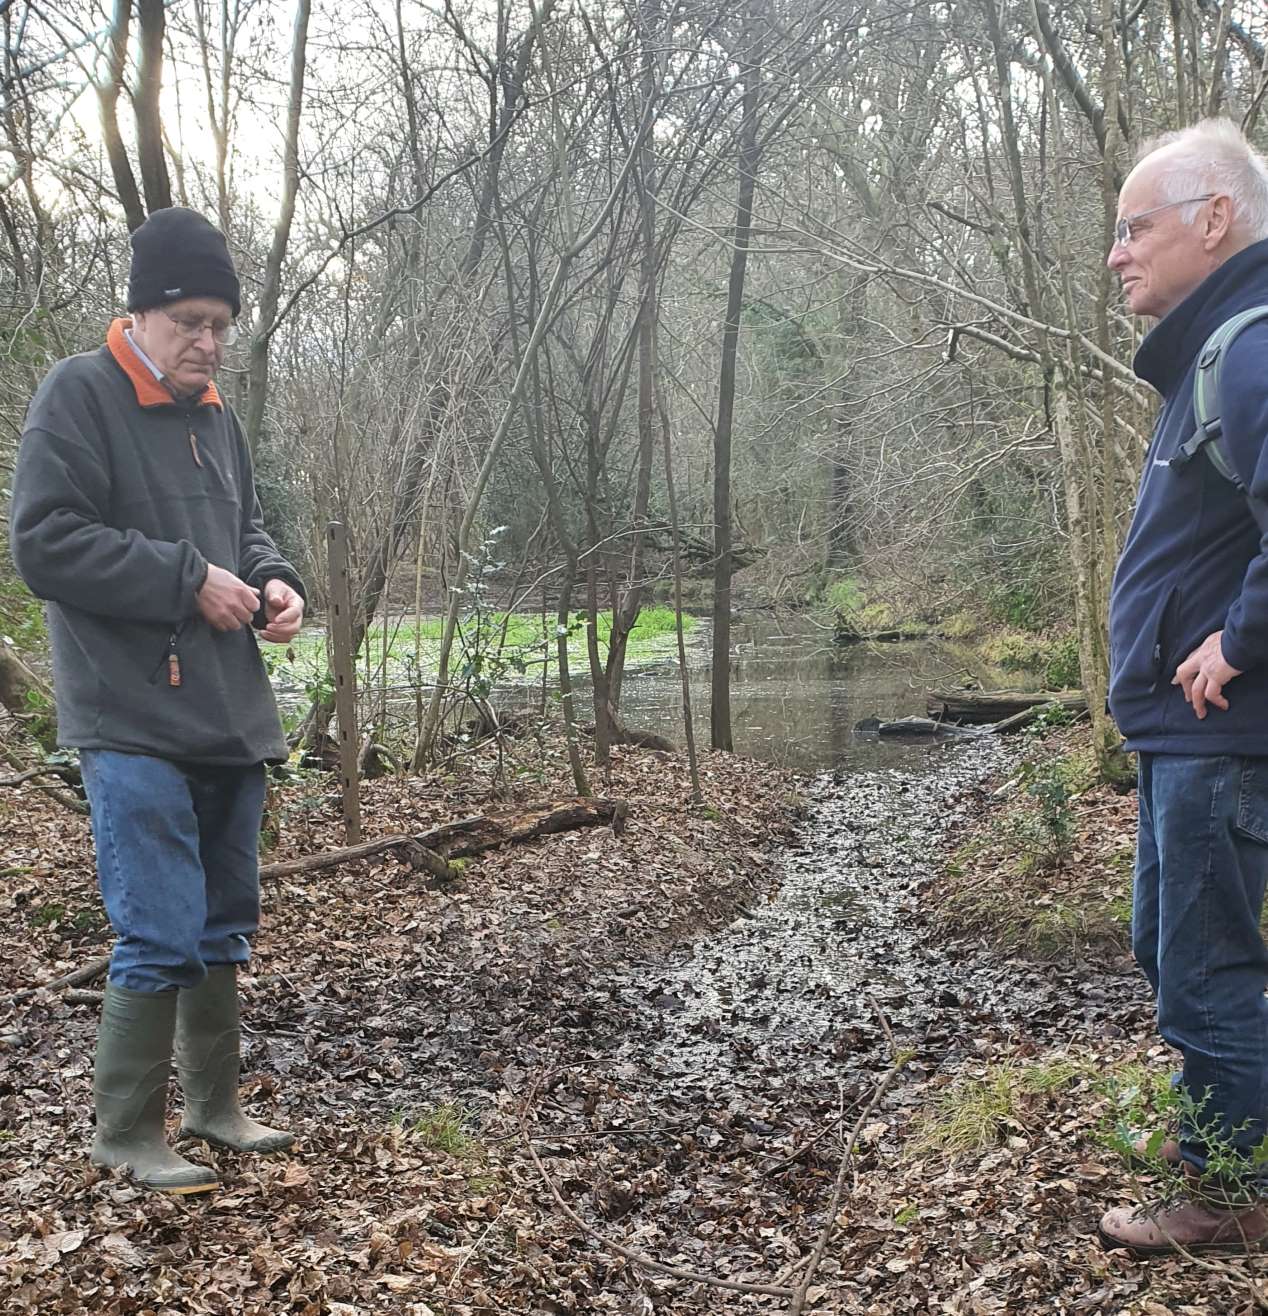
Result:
pixel 152 16
pixel 108 101
pixel 270 296
pixel 720 697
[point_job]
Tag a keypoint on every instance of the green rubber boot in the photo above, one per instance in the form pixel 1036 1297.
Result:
pixel 134 1063
pixel 208 1061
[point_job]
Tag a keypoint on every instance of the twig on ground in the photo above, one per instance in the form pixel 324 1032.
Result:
pixel 816 1257
pixel 40 770
pixel 637 1258
pixel 473 1249
pixel 76 978
pixel 792 1157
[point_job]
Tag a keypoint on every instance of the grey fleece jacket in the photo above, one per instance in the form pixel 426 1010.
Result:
pixel 121 498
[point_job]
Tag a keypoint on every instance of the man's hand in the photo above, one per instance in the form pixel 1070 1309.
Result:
pixel 1204 674
pixel 225 602
pixel 284 609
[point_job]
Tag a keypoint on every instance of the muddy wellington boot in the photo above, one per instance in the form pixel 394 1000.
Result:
pixel 134 1063
pixel 208 1061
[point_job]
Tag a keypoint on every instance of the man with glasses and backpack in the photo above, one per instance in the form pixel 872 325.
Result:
pixel 1189 671
pixel 135 516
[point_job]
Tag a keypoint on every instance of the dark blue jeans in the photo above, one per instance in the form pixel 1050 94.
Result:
pixel 178 863
pixel 1201 869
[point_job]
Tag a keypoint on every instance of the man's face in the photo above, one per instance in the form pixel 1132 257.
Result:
pixel 1165 258
pixel 181 339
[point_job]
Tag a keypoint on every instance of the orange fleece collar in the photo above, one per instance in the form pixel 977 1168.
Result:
pixel 149 392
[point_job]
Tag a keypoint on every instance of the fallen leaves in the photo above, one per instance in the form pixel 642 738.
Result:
pixel 373 1002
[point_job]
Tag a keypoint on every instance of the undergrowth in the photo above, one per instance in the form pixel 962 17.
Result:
pixel 1047 870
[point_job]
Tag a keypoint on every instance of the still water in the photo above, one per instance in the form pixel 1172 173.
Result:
pixel 796 697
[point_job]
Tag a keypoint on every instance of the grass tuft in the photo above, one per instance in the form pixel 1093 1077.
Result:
pixel 976 1114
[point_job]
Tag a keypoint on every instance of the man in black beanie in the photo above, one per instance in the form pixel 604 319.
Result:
pixel 135 516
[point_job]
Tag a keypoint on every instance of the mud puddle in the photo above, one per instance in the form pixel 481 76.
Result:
pixel 796 985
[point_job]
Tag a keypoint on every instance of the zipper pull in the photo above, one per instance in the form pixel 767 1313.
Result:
pixel 198 461
pixel 173 661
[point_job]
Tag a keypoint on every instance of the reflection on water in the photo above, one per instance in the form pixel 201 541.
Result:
pixel 795 697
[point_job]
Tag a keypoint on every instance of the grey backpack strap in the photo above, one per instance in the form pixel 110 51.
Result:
pixel 1208 437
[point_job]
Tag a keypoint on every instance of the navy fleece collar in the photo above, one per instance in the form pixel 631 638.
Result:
pixel 1168 350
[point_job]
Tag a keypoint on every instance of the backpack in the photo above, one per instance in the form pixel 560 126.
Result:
pixel 1208 437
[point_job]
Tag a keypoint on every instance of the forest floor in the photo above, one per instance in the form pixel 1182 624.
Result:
pixel 661 1041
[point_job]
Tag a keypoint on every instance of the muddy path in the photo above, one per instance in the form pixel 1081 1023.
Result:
pixel 703 1086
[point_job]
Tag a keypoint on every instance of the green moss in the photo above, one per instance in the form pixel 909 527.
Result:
pixel 1015 651
pixel 525 643
pixel 845 595
pixel 959 626
pixel 1052 656
pixel 1063 671
pixel 1120 911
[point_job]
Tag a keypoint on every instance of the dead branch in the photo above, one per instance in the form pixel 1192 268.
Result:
pixel 467 837
pixel 19 777
pixel 816 1257
pixel 63 797
pixel 76 977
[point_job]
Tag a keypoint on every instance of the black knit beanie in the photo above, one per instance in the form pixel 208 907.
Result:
pixel 176 253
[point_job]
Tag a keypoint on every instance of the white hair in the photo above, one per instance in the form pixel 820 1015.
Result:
pixel 1214 156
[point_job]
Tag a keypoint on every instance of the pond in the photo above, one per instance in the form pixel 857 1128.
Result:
pixel 795 695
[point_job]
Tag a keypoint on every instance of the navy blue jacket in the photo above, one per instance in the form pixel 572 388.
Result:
pixel 1194 561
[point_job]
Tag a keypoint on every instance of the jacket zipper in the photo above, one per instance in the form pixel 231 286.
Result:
pixel 171 657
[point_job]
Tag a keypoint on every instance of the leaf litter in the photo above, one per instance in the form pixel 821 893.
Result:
pixel 688 1018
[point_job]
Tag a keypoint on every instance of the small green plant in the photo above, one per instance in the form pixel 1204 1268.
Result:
pixel 1050 717
pixel 444 1128
pixel 48 916
pixel 1054 809
pixel 1063 671
pixel 56 915
pixel 1147 1103
pixel 21 616
pixel 905 1215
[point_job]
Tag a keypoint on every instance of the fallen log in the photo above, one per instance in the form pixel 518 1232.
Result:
pixel 981 706
pixel 911 728
pixel 848 635
pixel 620 734
pixel 466 837
pixel 75 978
pixel 1024 718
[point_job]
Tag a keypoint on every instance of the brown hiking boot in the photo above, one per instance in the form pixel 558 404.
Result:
pixel 1168 1153
pixel 1191 1224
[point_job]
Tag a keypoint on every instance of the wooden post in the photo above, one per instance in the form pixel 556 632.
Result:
pixel 345 679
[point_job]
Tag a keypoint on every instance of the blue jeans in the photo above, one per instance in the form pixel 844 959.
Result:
pixel 178 863
pixel 1201 869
